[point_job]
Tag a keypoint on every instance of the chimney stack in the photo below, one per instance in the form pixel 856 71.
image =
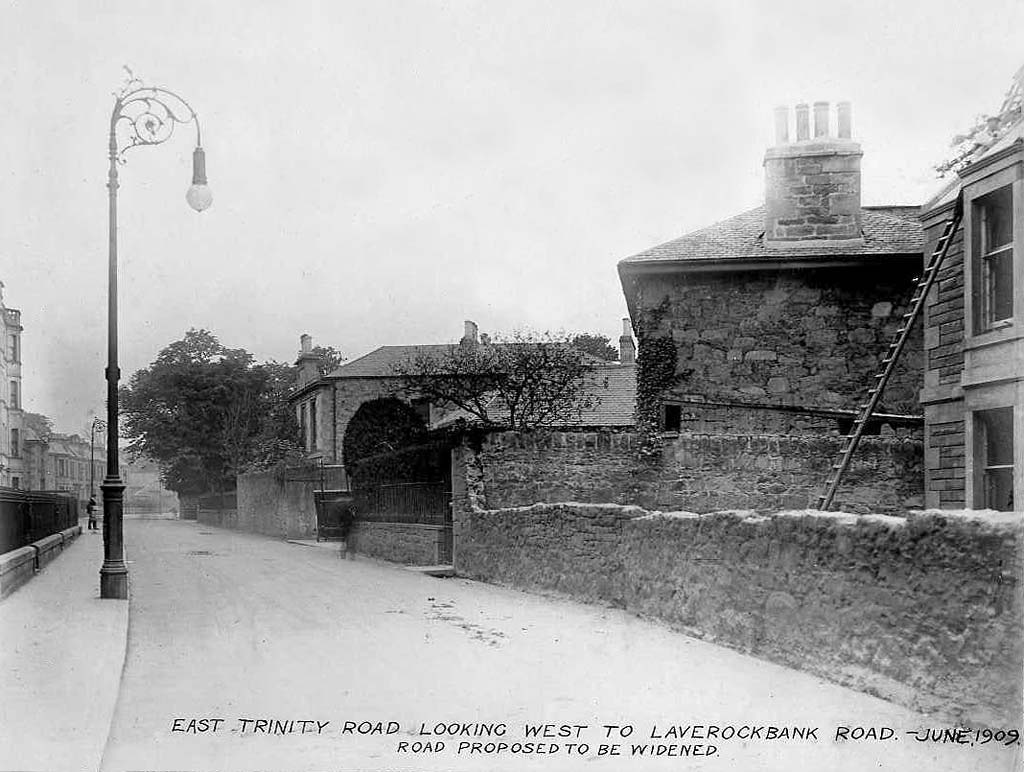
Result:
pixel 627 349
pixel 308 362
pixel 812 185
pixel 469 336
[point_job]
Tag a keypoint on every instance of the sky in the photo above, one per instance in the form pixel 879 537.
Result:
pixel 382 171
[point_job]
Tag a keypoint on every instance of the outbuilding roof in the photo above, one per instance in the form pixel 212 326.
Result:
pixel 887 230
pixel 612 387
pixel 381 362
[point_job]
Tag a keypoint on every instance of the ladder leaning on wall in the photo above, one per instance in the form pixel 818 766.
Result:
pixel 881 379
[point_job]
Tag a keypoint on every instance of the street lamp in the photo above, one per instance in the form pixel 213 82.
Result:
pixel 96 424
pixel 145 115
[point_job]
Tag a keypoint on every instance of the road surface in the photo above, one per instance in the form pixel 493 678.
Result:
pixel 356 665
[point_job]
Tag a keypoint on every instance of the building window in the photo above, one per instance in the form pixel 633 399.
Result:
pixel 15 443
pixel 15 397
pixel 994 459
pixel 993 241
pixel 16 482
pixel 671 418
pixel 14 349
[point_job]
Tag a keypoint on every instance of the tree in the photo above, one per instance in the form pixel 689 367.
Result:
pixel 330 358
pixel 986 129
pixel 599 346
pixel 522 382
pixel 40 424
pixel 205 413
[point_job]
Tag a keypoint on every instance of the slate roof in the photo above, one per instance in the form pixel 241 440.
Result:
pixel 381 362
pixel 613 385
pixel 887 230
pixel 615 389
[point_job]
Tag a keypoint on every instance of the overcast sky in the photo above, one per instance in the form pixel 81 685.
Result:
pixel 384 170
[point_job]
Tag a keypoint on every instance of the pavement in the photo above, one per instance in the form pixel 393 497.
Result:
pixel 62 650
pixel 346 660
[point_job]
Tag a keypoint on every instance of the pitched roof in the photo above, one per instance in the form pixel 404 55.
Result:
pixel 381 362
pixel 612 385
pixel 887 230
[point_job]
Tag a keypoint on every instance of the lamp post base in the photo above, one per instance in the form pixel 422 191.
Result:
pixel 114 582
pixel 114 572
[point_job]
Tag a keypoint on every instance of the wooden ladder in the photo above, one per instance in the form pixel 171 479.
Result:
pixel 865 411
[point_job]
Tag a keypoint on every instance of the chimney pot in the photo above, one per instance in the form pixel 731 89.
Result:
pixel 803 129
pixel 781 125
pixel 844 119
pixel 820 119
pixel 812 188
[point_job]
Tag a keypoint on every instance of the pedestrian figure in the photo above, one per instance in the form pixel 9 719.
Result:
pixel 90 508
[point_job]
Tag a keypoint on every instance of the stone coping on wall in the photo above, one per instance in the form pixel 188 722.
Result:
pixel 19 565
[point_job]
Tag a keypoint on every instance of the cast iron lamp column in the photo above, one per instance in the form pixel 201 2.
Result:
pixel 146 116
pixel 96 422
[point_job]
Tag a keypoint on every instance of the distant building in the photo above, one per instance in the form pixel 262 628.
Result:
pixel 325 404
pixel 12 463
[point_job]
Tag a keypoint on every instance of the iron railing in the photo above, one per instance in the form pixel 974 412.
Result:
pixel 27 516
pixel 427 503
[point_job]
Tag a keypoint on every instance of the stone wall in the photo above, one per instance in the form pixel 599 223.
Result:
pixel 19 565
pixel 925 610
pixel 271 506
pixel 409 543
pixel 810 338
pixel 699 473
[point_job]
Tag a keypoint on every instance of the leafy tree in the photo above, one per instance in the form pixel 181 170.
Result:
pixel 599 346
pixel 40 424
pixel 330 358
pixel 205 413
pixel 521 382
pixel 987 128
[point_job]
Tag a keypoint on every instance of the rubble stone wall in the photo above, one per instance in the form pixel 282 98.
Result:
pixel 811 338
pixel 270 506
pixel 413 544
pixel 699 472
pixel 924 610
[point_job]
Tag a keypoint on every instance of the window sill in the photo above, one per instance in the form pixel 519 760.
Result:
pixel 998 333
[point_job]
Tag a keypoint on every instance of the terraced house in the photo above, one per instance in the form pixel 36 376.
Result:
pixel 12 465
pixel 973 392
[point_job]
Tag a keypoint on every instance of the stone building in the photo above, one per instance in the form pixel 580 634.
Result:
pixel 65 462
pixel 774 321
pixel 12 462
pixel 326 403
pixel 973 393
